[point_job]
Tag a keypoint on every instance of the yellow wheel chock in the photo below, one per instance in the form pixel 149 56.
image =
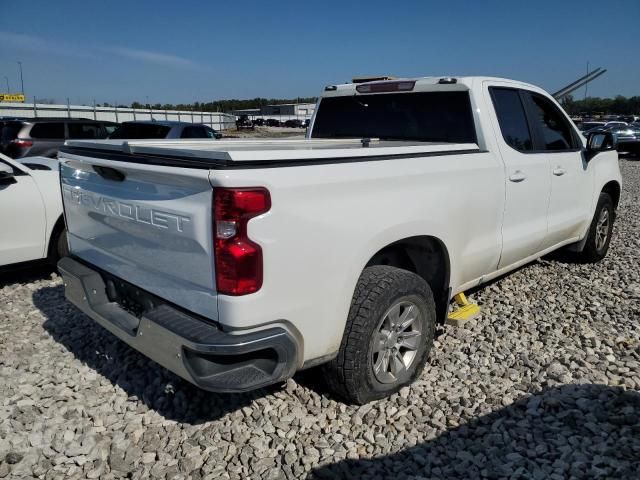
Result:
pixel 463 312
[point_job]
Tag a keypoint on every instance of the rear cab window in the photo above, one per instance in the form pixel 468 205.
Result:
pixel 441 117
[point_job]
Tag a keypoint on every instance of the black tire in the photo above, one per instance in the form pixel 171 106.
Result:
pixel 58 247
pixel 380 289
pixel 595 249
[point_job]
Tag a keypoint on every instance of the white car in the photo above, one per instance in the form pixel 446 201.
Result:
pixel 235 263
pixel 31 219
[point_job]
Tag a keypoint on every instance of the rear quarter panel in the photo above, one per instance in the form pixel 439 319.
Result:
pixel 327 221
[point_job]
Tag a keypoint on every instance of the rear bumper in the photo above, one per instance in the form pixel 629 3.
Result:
pixel 188 346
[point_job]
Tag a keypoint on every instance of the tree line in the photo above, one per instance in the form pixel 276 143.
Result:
pixel 618 105
pixel 221 105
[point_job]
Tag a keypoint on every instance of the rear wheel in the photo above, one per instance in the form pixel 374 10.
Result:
pixel 599 235
pixel 387 338
pixel 58 247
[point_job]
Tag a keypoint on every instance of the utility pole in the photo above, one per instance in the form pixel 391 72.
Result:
pixel 586 85
pixel 21 79
pixel 6 79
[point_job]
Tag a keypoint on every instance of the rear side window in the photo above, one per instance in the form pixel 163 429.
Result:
pixel 512 118
pixel 194 132
pixel 554 131
pixel 48 130
pixel 85 130
pixel 422 116
pixel 140 131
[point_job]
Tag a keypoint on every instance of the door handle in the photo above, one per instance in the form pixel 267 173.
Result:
pixel 517 176
pixel 558 172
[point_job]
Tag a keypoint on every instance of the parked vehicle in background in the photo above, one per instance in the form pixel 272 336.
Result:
pixel 615 123
pixel 273 122
pixel 293 123
pixel 244 123
pixel 235 264
pixel 629 118
pixel 585 126
pixel 628 136
pixel 306 123
pixel 258 122
pixel 31 220
pixel 44 136
pixel 156 129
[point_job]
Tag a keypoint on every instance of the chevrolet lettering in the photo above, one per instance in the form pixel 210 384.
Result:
pixel 129 211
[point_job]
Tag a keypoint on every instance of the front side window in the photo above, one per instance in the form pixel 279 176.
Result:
pixel 84 131
pixel 132 130
pixel 512 118
pixel 553 129
pixel 50 131
pixel 443 117
pixel 194 132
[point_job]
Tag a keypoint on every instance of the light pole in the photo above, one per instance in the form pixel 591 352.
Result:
pixel 21 79
pixel 586 85
pixel 6 79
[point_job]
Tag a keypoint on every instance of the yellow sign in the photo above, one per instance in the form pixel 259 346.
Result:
pixel 12 97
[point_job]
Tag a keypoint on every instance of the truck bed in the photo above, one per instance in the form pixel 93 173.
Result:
pixel 258 153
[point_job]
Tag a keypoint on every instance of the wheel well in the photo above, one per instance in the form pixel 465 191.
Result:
pixel 425 256
pixel 57 228
pixel 613 189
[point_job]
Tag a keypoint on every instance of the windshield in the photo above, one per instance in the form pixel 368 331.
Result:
pixel 140 131
pixel 423 116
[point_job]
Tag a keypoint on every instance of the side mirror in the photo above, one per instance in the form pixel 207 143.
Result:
pixel 601 142
pixel 6 174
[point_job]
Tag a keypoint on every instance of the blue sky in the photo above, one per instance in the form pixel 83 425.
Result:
pixel 198 51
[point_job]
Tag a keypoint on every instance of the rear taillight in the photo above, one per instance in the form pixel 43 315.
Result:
pixel 19 142
pixel 238 259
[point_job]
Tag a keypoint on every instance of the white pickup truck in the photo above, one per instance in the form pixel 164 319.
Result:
pixel 236 263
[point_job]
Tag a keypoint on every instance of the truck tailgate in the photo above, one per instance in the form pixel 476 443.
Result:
pixel 149 225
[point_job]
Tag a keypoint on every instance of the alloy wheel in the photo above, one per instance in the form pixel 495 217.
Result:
pixel 396 341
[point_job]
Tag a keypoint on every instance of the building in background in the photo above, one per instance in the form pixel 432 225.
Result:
pixel 282 112
pixel 216 120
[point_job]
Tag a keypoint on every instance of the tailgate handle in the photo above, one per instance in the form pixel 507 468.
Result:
pixel 109 173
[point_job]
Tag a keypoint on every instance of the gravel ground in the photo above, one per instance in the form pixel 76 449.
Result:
pixel 265 132
pixel 544 385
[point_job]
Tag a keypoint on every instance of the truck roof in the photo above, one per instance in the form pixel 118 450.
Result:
pixel 421 84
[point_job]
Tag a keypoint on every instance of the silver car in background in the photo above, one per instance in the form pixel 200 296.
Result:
pixel 157 129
